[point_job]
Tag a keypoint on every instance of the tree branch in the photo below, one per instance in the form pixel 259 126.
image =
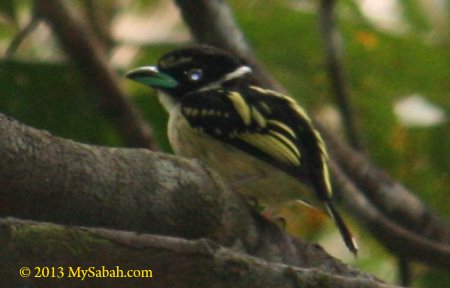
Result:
pixel 397 239
pixel 331 41
pixel 20 37
pixel 388 195
pixel 138 190
pixel 166 257
pixel 87 55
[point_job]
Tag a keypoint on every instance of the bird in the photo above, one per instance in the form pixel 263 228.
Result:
pixel 262 142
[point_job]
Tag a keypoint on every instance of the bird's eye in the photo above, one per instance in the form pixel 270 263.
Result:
pixel 195 75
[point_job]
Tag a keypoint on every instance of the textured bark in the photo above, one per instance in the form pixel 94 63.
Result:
pixel 173 262
pixel 47 178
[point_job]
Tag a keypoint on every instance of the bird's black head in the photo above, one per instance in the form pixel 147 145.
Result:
pixel 190 69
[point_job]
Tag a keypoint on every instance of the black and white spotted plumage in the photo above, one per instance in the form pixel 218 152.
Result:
pixel 218 116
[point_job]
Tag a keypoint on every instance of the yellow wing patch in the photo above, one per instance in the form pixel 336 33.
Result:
pixel 272 146
pixel 324 155
pixel 302 113
pixel 291 101
pixel 241 106
pixel 287 142
pixel 267 91
pixel 282 126
pixel 299 110
pixel 258 117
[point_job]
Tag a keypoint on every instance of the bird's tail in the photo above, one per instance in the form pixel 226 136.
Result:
pixel 347 236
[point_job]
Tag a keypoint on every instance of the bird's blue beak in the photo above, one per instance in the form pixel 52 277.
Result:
pixel 149 75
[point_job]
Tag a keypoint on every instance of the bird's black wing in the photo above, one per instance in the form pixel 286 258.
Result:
pixel 265 124
pixel 271 127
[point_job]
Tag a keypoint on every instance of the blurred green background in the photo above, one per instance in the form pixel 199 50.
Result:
pixel 397 62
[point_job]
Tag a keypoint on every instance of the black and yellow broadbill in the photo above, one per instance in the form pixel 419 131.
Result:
pixel 262 142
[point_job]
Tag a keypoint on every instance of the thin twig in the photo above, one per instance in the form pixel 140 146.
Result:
pixel 21 35
pixel 330 38
pixel 86 53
